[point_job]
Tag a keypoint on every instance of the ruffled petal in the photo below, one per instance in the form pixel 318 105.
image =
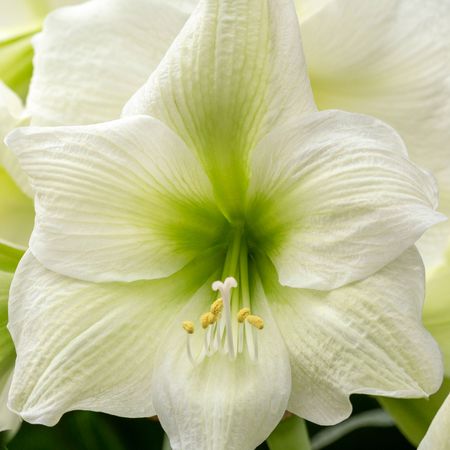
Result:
pixel 366 338
pixel 333 198
pixel 83 345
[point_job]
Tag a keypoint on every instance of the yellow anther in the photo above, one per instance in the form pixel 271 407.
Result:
pixel 243 314
pixel 217 307
pixel 212 318
pixel 204 320
pixel 188 327
pixel 256 321
pixel 207 319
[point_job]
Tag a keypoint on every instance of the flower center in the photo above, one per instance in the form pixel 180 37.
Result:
pixel 222 332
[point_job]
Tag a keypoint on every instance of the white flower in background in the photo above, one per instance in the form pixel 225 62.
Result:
pixel 438 435
pixel 20 20
pixel 391 59
pixel 16 206
pixel 220 169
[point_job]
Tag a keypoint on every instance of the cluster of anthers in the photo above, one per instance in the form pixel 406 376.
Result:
pixel 218 326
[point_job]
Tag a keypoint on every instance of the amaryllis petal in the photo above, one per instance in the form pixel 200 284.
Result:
pixel 235 71
pixel 119 201
pixel 337 198
pixel 84 345
pixel 362 338
pixel 79 79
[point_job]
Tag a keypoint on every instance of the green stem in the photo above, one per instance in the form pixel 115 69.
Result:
pixel 290 434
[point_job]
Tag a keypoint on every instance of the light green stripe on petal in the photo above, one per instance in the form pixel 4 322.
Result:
pixel 234 72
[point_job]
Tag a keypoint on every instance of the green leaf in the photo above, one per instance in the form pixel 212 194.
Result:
pixel 16 55
pixel 413 416
pixel 290 434
pixel 9 257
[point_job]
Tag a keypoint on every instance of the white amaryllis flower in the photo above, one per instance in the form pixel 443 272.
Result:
pixel 20 20
pixel 222 174
pixel 438 435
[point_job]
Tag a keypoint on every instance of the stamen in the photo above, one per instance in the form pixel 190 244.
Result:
pixel 217 307
pixel 218 331
pixel 243 314
pixel 188 327
pixel 256 321
pixel 207 319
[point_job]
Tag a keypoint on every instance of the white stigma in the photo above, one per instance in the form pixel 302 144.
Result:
pixel 225 291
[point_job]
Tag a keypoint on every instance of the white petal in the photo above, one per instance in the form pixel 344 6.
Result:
pixel 222 404
pixel 92 57
pixel 389 59
pixel 366 338
pixel 438 435
pixel 337 199
pixel 119 201
pixel 90 346
pixel 235 71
